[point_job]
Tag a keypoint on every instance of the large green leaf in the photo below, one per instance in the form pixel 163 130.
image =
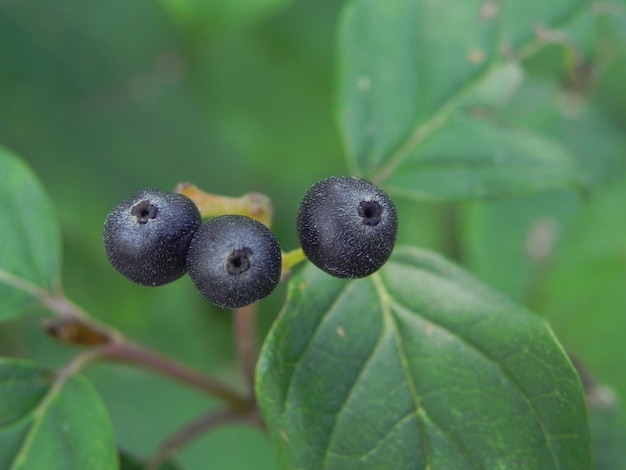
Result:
pixel 52 425
pixel 418 366
pixel 30 250
pixel 406 65
pixel 478 159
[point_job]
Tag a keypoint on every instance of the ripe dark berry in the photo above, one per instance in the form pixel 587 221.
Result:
pixel 347 226
pixel 146 237
pixel 234 261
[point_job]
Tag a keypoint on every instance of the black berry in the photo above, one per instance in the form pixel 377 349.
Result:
pixel 146 237
pixel 347 226
pixel 234 261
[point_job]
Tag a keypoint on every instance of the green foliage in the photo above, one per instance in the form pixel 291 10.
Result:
pixel 395 89
pixel 51 421
pixel 30 250
pixel 420 366
pixel 501 161
pixel 498 127
pixel 216 14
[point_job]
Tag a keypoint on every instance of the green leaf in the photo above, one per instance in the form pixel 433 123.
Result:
pixel 405 66
pixel 580 122
pixel 529 229
pixel 417 366
pixel 583 293
pixel 46 422
pixel 498 87
pixel 478 159
pixel 31 247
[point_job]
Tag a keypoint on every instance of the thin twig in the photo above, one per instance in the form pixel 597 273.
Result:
pixel 79 362
pixel 75 326
pixel 194 429
pixel 127 352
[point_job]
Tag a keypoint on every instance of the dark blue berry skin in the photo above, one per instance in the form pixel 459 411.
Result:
pixel 347 226
pixel 146 237
pixel 234 261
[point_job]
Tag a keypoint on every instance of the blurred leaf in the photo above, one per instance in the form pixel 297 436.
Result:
pixel 51 424
pixel 400 77
pixel 520 21
pixel 608 428
pixel 418 366
pixel 576 120
pixel 498 87
pixel 217 14
pixel 478 159
pixel 609 438
pixel 584 292
pixel 30 250
pixel 509 244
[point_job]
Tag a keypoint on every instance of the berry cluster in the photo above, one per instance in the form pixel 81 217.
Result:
pixel 347 227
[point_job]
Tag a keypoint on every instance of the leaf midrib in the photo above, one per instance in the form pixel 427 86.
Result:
pixel 312 336
pixel 393 301
pixel 390 321
pixel 372 353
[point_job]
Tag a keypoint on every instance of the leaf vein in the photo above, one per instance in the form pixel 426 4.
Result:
pixel 340 295
pixel 359 376
pixel 492 360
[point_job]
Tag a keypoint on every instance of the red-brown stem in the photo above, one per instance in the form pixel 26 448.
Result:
pixel 76 327
pixel 130 353
pixel 246 342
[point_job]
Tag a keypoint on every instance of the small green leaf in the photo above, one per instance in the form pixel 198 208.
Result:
pixel 48 424
pixel 406 65
pixel 478 159
pixel 417 366
pixel 31 247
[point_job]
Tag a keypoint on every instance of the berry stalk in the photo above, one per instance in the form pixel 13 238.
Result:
pixel 254 205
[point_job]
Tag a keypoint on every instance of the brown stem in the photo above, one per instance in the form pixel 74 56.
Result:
pixel 72 325
pixel 113 346
pixel 246 342
pixel 196 428
pixel 130 353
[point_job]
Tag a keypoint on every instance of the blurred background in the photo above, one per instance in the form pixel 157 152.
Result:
pixel 105 98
